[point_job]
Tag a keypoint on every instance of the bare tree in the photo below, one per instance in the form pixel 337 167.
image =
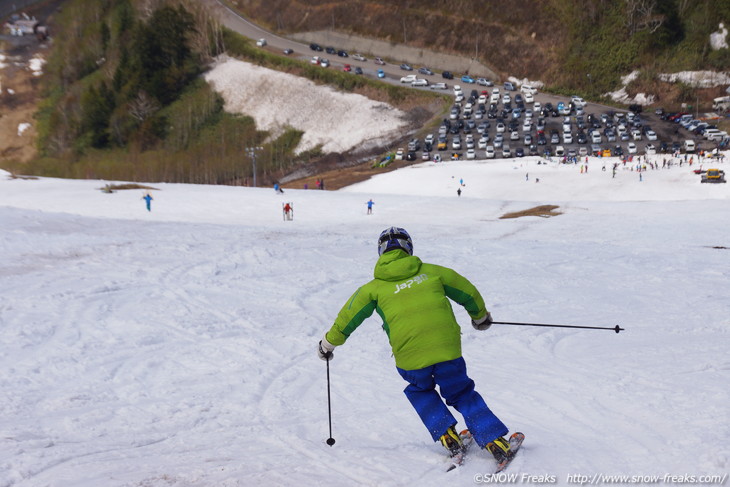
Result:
pixel 641 15
pixel 143 106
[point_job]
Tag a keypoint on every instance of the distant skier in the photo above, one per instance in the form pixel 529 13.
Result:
pixel 410 297
pixel 148 201
pixel 370 204
pixel 288 212
pixel 277 188
pixel 458 192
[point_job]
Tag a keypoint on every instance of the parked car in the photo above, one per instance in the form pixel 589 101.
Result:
pixel 410 78
pixel 425 71
pixel 315 47
pixel 467 79
pixel 288 51
pixel 342 53
pixel 358 70
pixel 347 68
pixel 447 75
pixel 324 62
pixel 330 50
pixel 406 67
pixel 489 152
pixel 261 42
pixel 471 154
pixel 381 73
pixel 379 61
pixel 439 86
pixel 631 148
pixel 484 82
pixel 419 82
pixel 509 86
pixel 359 57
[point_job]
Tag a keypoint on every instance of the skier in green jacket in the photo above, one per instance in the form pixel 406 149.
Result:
pixel 412 298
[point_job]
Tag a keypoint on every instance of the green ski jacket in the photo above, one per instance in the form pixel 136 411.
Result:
pixel 412 298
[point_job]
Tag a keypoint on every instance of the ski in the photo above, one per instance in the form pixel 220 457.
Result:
pixel 458 459
pixel 515 441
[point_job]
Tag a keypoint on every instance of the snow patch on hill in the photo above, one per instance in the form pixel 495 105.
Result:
pixel 337 121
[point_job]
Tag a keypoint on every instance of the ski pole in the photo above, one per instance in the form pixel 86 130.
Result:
pixel 616 328
pixel 330 440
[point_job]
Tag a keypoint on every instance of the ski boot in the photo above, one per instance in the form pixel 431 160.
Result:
pixel 452 441
pixel 499 448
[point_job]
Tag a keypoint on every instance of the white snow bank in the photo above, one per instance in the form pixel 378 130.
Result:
pixel 337 121
pixel 22 127
pixel 718 40
pixel 36 65
pixel 698 79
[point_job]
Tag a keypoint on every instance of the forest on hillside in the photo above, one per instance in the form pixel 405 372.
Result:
pixel 124 98
pixel 556 41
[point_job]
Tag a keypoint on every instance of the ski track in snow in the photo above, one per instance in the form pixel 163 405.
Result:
pixel 177 347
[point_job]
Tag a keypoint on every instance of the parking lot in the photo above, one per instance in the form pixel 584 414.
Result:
pixel 488 122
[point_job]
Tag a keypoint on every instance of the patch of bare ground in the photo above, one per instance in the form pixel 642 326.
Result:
pixel 109 188
pixel 543 211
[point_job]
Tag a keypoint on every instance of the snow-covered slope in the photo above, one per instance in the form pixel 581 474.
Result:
pixel 177 347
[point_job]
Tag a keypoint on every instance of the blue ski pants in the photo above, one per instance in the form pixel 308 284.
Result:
pixel 458 391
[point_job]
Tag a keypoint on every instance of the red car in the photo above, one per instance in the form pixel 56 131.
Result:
pixel 347 68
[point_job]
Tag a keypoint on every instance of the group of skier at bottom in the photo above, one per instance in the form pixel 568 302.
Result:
pixel 410 296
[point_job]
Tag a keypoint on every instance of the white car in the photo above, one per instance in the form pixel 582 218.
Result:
pixel 529 98
pixel 631 148
pixel 399 154
pixel 650 149
pixel 650 135
pixel 410 78
pixel 567 138
pixel 578 101
pixel 482 142
pixel 439 86
pixel 636 134
pixel 324 62
pixel 261 42
pixel 471 154
pixel 537 107
pixel 595 137
pixel 314 60
pixel 489 152
pixel 419 82
pixel 359 57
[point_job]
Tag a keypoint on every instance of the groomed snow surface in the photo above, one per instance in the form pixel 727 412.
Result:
pixel 177 347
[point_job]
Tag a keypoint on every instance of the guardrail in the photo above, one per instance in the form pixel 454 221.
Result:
pixel 8 7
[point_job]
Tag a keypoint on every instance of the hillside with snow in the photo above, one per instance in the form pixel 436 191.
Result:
pixel 176 347
pixel 336 121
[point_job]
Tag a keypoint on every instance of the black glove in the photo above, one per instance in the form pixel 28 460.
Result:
pixel 325 350
pixel 484 323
